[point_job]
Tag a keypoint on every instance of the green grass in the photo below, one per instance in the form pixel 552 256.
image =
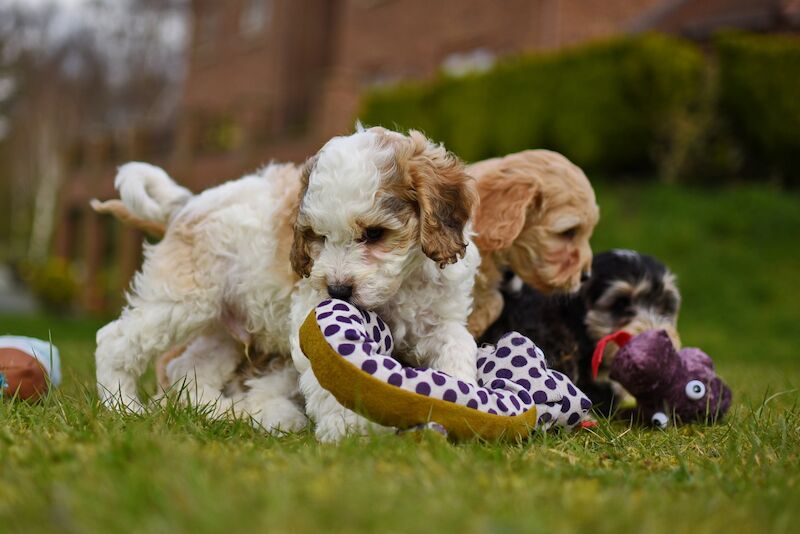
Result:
pixel 66 464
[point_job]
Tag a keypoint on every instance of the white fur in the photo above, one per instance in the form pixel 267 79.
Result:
pixel 269 401
pixel 219 253
pixel 204 367
pixel 202 371
pixel 230 260
pixel 148 192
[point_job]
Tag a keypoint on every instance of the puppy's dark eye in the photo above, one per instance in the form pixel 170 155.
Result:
pixel 310 235
pixel 569 233
pixel 372 234
pixel 621 305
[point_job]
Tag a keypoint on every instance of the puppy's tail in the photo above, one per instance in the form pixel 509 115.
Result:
pixel 148 192
pixel 120 211
pixel 148 197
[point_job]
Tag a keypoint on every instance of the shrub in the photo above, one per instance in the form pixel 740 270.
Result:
pixel 403 107
pixel 703 148
pixel 607 106
pixel 53 282
pixel 760 99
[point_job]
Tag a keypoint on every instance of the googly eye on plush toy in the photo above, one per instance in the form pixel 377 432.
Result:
pixel 695 390
pixel 660 420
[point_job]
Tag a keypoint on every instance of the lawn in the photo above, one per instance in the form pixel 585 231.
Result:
pixel 67 464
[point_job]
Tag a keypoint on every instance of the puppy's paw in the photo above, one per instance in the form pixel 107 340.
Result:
pixel 451 350
pixel 464 368
pixel 335 427
pixel 281 416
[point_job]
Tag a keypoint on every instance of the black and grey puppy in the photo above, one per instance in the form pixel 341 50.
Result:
pixel 626 291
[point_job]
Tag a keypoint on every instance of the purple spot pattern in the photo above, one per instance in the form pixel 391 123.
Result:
pixel 516 368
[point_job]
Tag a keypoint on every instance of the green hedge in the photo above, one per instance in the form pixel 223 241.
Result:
pixel 759 85
pixel 641 104
pixel 607 106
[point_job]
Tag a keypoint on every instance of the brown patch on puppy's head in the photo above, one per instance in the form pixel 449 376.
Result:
pixel 300 255
pixel 444 193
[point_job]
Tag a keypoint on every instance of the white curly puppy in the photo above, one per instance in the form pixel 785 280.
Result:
pixel 377 218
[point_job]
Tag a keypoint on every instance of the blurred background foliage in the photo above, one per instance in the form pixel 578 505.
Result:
pixel 53 281
pixel 74 74
pixel 648 105
pixel 760 98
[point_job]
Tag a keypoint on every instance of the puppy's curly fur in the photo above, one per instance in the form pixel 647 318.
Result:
pixel 383 214
pixel 626 291
pixel 537 212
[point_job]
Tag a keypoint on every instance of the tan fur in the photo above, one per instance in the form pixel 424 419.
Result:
pixel 488 302
pixel 177 263
pixel 117 209
pixel 287 214
pixel 526 200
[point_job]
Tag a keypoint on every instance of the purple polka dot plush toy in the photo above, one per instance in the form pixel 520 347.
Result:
pixel 350 351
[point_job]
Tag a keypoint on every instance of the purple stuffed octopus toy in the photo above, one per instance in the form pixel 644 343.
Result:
pixel 670 386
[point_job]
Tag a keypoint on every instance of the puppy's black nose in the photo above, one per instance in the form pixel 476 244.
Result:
pixel 340 291
pixel 585 276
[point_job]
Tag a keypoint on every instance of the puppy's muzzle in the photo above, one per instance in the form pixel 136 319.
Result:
pixel 340 291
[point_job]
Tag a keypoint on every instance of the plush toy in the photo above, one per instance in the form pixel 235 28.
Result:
pixel 28 367
pixel 350 354
pixel 669 385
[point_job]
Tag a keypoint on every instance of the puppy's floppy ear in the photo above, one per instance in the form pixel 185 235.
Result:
pixel 300 255
pixel 446 197
pixel 505 195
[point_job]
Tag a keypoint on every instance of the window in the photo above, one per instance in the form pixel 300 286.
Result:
pixel 256 15
pixel 463 63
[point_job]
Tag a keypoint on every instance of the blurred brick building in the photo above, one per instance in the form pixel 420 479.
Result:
pixel 273 79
